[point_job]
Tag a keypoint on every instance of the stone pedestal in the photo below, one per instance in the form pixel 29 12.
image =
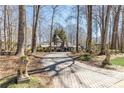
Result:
pixel 22 73
pixel 23 80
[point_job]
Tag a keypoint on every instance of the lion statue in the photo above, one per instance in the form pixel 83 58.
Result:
pixel 22 73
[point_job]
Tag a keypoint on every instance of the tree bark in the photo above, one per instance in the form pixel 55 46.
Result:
pixel 21 29
pixel 89 29
pixel 0 38
pixel 51 27
pixel 5 8
pixel 25 31
pixel 115 37
pixel 77 41
pixel 110 32
pixel 34 30
pixel 96 32
pixel 122 33
pixel 9 32
pixel 104 32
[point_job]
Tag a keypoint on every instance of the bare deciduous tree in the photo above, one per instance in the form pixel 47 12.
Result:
pixel 122 33
pixel 5 8
pixel 21 29
pixel 115 37
pixel 104 33
pixel 89 29
pixel 77 28
pixel 51 26
pixel 34 28
pixel 0 36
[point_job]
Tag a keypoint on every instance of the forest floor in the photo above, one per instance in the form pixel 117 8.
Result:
pixel 9 66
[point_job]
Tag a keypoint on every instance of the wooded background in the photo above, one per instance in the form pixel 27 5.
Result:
pixel 31 26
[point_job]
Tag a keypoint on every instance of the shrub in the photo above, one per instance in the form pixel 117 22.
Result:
pixel 86 57
pixel 73 51
pixel 40 49
pixel 43 49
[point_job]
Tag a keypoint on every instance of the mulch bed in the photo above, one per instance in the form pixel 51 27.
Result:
pixel 9 64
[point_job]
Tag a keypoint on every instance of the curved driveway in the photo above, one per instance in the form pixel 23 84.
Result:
pixel 68 73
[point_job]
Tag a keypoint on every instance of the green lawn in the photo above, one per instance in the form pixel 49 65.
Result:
pixel 35 82
pixel 118 61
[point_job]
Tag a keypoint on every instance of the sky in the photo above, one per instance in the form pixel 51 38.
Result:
pixel 46 11
pixel 62 16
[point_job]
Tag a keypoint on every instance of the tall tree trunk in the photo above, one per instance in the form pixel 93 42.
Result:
pixel 96 32
pixel 5 8
pixel 34 30
pixel 110 32
pixel 51 28
pixel 21 29
pixel 9 15
pixel 11 28
pixel 89 29
pixel 25 31
pixel 51 33
pixel 40 32
pixel 0 38
pixel 122 33
pixel 115 39
pixel 77 28
pixel 104 30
